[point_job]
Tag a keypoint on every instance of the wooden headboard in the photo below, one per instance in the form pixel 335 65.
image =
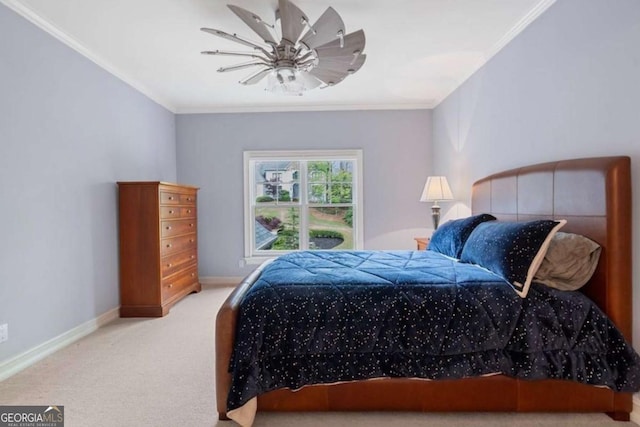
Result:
pixel 594 196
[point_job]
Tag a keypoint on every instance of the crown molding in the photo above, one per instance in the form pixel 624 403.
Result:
pixel 29 14
pixel 301 108
pixel 70 41
pixel 523 23
pixel 520 26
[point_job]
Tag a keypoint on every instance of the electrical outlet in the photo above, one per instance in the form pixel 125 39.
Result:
pixel 4 332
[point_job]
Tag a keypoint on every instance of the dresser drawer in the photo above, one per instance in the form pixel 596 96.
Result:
pixel 175 228
pixel 177 244
pixel 167 212
pixel 176 262
pixel 188 199
pixel 178 282
pixel 188 212
pixel 169 198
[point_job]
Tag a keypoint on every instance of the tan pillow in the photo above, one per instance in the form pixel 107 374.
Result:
pixel 569 262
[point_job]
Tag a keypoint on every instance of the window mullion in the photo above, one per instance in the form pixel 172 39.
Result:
pixel 304 207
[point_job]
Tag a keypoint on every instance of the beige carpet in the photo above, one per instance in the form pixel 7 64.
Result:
pixel 159 372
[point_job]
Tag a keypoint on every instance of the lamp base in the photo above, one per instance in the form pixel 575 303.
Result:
pixel 435 215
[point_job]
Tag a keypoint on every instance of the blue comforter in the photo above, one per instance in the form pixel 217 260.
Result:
pixel 322 317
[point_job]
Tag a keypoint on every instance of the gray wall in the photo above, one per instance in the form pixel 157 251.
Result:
pixel 397 157
pixel 68 131
pixel 568 86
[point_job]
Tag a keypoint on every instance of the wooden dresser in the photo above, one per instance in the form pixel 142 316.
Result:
pixel 158 246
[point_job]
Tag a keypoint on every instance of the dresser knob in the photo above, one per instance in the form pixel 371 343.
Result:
pixel 191 240
pixel 169 245
pixel 169 265
pixel 193 274
pixel 170 285
pixel 190 225
pixel 193 256
pixel 188 210
pixel 168 227
pixel 170 212
pixel 170 197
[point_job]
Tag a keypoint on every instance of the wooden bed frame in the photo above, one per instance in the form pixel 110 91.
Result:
pixel 594 195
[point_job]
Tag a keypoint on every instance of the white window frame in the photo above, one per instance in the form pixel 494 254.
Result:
pixel 249 157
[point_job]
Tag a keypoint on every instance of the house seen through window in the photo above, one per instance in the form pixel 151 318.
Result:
pixel 302 200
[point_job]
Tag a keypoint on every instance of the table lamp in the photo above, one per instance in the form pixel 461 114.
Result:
pixel 436 189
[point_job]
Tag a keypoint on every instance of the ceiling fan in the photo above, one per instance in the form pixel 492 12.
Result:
pixel 292 62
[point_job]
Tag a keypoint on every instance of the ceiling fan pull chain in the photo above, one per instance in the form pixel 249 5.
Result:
pixel 340 35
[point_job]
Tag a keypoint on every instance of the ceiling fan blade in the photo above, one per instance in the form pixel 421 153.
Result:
pixel 237 39
pixel 254 22
pixel 230 53
pixel 325 29
pixel 256 77
pixel 241 66
pixel 291 20
pixel 353 43
pixel 330 78
pixel 348 64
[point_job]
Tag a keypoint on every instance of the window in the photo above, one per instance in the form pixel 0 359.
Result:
pixel 302 200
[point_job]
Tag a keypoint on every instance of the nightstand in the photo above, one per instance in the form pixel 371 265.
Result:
pixel 422 242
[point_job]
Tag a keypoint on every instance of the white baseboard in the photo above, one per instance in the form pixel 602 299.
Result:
pixel 220 281
pixel 635 411
pixel 22 361
pixel 29 357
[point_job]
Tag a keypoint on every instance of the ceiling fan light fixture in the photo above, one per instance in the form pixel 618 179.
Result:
pixel 290 81
pixel 284 81
pixel 322 56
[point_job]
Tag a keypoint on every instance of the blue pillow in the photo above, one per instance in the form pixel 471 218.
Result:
pixel 450 237
pixel 513 250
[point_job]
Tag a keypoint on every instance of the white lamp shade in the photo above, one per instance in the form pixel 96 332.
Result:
pixel 436 188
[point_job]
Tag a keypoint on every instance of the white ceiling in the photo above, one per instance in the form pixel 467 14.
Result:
pixel 418 51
